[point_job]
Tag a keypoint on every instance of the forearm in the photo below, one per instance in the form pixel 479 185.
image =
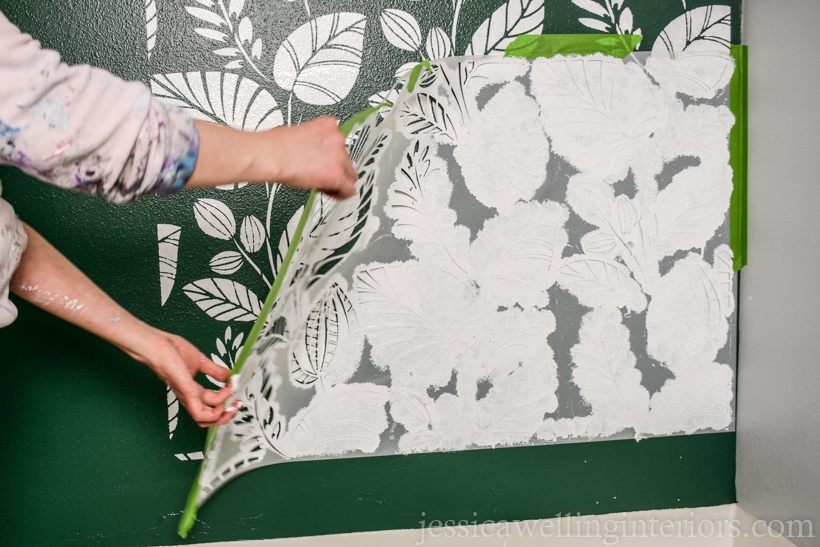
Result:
pixel 48 280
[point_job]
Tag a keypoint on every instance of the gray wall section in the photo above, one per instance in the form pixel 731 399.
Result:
pixel 778 419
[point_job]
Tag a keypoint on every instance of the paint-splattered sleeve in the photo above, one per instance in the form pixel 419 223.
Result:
pixel 84 129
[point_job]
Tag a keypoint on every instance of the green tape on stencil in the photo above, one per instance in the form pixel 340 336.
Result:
pixel 550 45
pixel 738 146
pixel 189 513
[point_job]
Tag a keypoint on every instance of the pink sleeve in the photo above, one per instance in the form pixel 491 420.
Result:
pixel 84 129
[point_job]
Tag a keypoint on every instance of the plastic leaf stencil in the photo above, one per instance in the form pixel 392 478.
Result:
pixel 538 250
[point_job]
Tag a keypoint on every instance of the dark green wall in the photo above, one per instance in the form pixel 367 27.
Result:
pixel 86 456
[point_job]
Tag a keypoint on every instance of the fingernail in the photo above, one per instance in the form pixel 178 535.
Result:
pixel 238 404
pixel 231 409
pixel 234 382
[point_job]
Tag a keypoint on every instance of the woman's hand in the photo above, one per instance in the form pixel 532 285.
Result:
pixel 48 280
pixel 176 361
pixel 310 155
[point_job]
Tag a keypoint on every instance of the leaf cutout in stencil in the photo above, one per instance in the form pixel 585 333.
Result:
pixel 504 155
pixel 168 243
pixel 252 234
pixel 345 418
pixel 684 323
pixel 419 202
pixel 332 345
pixel 599 282
pixel 226 263
pixel 605 373
pixel 725 275
pixel 693 401
pixel 515 257
pixel 599 112
pixel 150 25
pixel 692 207
pixel 215 218
pixel 320 61
pixel 423 114
pixel 286 239
pixel 224 300
pixel 514 18
pixel 590 199
pixel 418 320
pixel 692 53
pixel 401 29
pixel 437 45
pixel 219 96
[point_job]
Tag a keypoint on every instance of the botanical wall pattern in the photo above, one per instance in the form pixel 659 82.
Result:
pixel 419 313
pixel 259 65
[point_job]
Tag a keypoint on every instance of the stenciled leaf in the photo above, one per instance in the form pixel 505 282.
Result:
pixel 252 234
pixel 600 282
pixel 150 25
pixel 168 243
pixel 514 18
pixel 236 101
pixel 605 373
pixel 592 7
pixel 419 201
pixel 206 15
pixel 214 218
pixel 685 324
pixel 438 44
pixel 692 207
pixel 401 29
pixel 226 263
pixel 693 401
pixel 594 24
pixel 345 418
pixel 515 257
pixel 599 112
pixel 245 30
pixel 212 34
pixel 320 61
pixel 235 7
pixel 504 155
pixel 224 300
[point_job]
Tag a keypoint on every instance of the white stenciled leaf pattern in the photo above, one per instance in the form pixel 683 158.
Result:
pixel 504 155
pixel 150 25
pixel 252 234
pixel 320 61
pixel 691 54
pixel 438 44
pixel 692 207
pixel 346 418
pixel 599 112
pixel 228 27
pixel 601 282
pixel 216 96
pixel 168 242
pixel 423 114
pixel 226 263
pixel 515 257
pixel 606 375
pixel 610 16
pixel 401 29
pixel 514 18
pixel 215 218
pixel 224 300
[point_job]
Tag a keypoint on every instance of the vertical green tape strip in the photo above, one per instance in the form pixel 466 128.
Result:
pixel 549 45
pixel 738 147
pixel 189 514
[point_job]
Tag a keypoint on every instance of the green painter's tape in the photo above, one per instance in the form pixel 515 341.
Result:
pixel 550 45
pixel 189 514
pixel 738 146
pixel 415 73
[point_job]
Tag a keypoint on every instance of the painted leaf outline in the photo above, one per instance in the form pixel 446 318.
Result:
pixel 320 61
pixel 168 248
pixel 215 218
pixel 151 23
pixel 401 29
pixel 706 27
pixel 224 299
pixel 225 97
pixel 599 282
pixel 346 418
pixel 514 18
pixel 226 262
